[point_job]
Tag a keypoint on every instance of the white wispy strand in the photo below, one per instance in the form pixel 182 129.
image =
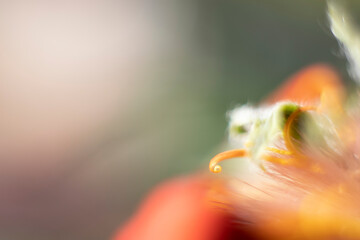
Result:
pixel 348 36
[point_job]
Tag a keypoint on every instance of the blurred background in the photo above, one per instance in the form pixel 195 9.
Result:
pixel 102 100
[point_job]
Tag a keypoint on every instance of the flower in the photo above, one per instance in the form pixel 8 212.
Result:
pixel 211 207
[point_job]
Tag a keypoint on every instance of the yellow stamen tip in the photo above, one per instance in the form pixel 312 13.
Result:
pixel 216 169
pixel 213 165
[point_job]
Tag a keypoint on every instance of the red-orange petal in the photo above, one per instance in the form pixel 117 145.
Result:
pixel 309 86
pixel 177 210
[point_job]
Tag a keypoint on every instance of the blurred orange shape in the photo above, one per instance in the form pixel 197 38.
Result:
pixel 176 210
pixel 310 85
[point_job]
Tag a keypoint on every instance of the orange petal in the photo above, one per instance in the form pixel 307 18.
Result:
pixel 176 210
pixel 310 86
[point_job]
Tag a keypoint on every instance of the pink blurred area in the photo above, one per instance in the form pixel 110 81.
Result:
pixel 69 67
pixel 72 77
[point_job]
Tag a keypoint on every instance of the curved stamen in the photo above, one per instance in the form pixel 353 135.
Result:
pixel 213 165
pixel 287 129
